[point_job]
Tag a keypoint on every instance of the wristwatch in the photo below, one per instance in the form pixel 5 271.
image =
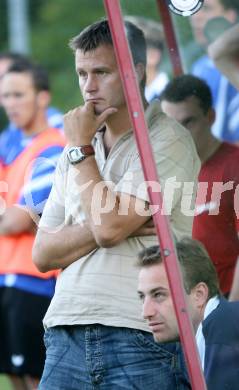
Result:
pixel 77 154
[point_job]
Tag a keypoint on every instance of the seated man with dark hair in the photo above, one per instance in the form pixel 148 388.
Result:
pixel 188 100
pixel 215 320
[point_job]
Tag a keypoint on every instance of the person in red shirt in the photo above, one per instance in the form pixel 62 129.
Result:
pixel 188 100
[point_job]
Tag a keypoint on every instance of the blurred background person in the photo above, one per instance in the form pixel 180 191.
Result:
pixel 6 59
pixel 156 77
pixel 28 157
pixel 55 118
pixel 224 52
pixel 188 100
pixel 213 17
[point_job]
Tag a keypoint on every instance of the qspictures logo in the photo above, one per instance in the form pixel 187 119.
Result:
pixel 106 195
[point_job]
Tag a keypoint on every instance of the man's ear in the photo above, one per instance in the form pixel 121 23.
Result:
pixel 211 116
pixel 140 71
pixel 43 99
pixel 200 294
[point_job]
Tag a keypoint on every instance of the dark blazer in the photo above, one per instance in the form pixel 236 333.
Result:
pixel 221 333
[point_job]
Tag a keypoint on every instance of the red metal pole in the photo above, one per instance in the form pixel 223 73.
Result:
pixel 170 37
pixel 136 111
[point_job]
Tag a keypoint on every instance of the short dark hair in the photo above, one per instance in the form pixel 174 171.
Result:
pixel 185 86
pixel 195 264
pixel 230 4
pixel 13 57
pixel 99 33
pixel 39 74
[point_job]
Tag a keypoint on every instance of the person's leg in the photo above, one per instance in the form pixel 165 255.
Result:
pixel 31 383
pixel 17 382
pixel 65 365
pixel 132 360
pixel 23 383
pixel 26 351
pixel 4 356
pixel 96 357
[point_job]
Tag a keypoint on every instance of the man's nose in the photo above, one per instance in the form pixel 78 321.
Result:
pixel 91 83
pixel 149 309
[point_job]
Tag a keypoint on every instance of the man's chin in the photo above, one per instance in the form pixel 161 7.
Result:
pixel 97 111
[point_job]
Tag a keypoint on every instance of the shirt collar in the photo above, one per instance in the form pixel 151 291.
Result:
pixel 211 305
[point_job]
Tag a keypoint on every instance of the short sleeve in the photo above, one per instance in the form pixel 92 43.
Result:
pixel 54 211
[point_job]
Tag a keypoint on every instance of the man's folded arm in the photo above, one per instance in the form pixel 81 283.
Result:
pixel 59 248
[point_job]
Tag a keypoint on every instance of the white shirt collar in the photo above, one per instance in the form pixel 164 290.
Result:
pixel 211 305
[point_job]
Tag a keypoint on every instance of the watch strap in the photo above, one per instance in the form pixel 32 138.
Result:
pixel 77 154
pixel 87 150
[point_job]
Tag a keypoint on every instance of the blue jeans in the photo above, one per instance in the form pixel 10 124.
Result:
pixel 97 357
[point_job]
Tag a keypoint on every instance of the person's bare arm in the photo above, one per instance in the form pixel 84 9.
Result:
pixel 109 227
pixel 224 51
pixel 16 220
pixel 58 249
pixel 52 250
pixel 121 219
pixel 59 243
pixel 69 243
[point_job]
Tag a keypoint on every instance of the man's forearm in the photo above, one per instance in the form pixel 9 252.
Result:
pixel 95 196
pixel 16 220
pixel 112 217
pixel 56 250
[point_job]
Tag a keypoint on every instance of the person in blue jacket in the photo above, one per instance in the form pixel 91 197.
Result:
pixel 207 24
pixel 214 319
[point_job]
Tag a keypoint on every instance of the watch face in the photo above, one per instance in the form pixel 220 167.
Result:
pixel 185 7
pixel 75 155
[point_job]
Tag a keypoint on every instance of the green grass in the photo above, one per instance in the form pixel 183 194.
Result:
pixel 4 383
